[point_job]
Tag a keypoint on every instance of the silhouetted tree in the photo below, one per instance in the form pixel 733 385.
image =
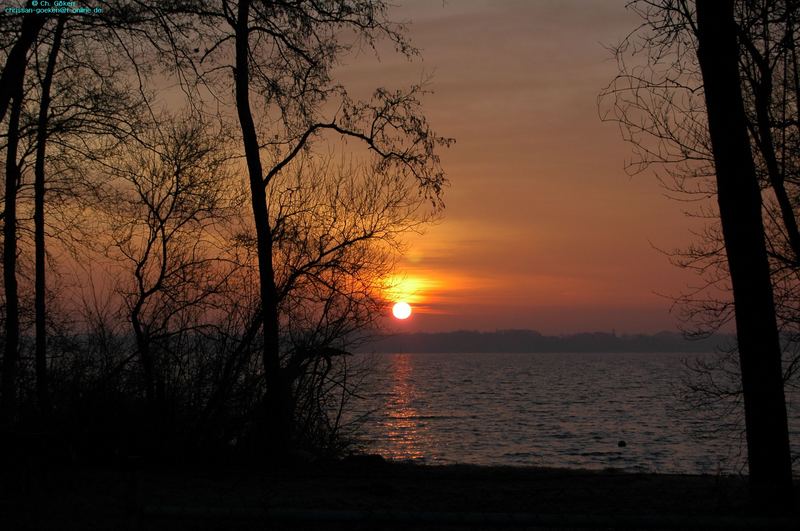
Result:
pixel 42 391
pixel 12 332
pixel 662 108
pixel 337 228
pixel 739 200
pixel 283 53
pixel 14 68
pixel 226 336
pixel 167 195
pixel 61 118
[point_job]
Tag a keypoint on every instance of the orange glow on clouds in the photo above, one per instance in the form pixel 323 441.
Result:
pixel 415 290
pixel 543 227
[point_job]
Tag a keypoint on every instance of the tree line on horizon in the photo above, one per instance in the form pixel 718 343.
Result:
pixel 466 341
pixel 198 219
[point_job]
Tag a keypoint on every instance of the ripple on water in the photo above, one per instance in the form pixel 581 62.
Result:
pixel 540 409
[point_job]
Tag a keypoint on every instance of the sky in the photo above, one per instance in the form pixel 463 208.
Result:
pixel 543 228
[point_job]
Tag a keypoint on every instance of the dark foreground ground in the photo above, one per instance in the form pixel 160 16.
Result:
pixel 369 494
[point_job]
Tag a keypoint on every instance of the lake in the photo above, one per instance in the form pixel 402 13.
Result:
pixel 557 410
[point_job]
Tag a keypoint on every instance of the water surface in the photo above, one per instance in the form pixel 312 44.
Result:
pixel 559 410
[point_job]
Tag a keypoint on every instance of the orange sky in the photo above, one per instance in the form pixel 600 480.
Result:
pixel 543 228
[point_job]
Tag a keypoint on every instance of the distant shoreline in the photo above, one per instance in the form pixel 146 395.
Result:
pixel 531 341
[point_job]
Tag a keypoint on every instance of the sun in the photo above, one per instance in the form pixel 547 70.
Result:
pixel 401 310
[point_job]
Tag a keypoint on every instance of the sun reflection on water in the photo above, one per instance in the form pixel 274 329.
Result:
pixel 405 436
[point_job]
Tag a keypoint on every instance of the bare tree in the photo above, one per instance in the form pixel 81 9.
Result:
pixel 663 107
pixel 39 234
pixel 16 60
pixel 250 334
pixel 740 215
pixel 12 332
pixel 63 119
pixel 283 53
pixel 166 203
pixel 337 230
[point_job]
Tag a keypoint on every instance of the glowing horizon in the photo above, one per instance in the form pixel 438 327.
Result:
pixel 543 228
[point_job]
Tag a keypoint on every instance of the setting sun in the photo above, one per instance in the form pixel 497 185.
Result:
pixel 401 310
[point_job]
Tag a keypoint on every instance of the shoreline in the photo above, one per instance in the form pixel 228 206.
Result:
pixel 369 491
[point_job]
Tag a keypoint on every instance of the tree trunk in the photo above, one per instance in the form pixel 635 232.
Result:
pixel 763 103
pixel 278 398
pixel 14 69
pixel 145 356
pixel 11 349
pixel 743 231
pixel 42 392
